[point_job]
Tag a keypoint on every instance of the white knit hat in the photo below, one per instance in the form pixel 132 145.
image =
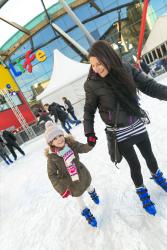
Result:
pixel 51 131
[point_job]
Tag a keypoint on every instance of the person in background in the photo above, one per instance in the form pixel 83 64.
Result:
pixel 59 114
pixel 43 116
pixel 67 174
pixel 70 109
pixel 11 143
pixel 144 66
pixel 67 122
pixel 112 84
pixel 3 153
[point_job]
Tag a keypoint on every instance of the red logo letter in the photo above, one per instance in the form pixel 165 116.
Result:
pixel 28 61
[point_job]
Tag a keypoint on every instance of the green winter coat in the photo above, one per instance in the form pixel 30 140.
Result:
pixel 59 175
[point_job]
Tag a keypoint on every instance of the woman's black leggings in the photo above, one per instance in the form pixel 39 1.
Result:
pixel 127 149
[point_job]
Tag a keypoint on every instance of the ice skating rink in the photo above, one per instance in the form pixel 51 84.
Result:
pixel 34 217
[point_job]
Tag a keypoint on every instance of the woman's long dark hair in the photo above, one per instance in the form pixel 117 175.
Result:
pixel 119 79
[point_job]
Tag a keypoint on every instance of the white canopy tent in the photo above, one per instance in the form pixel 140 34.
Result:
pixel 157 36
pixel 67 79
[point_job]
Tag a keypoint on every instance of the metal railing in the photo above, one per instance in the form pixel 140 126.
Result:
pixel 8 98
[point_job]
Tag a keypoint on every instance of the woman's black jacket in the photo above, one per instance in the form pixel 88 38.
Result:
pixel 99 95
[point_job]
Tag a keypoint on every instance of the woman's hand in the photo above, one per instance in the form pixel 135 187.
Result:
pixel 91 139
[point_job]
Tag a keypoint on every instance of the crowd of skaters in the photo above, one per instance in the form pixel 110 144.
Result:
pixel 65 114
pixel 8 141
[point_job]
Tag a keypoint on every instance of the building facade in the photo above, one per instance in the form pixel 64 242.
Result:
pixel 14 109
pixel 116 21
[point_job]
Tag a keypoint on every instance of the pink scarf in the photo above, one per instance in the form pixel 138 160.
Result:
pixel 68 157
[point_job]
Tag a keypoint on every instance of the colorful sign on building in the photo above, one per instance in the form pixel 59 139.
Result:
pixel 27 65
pixel 7 116
pixel 6 79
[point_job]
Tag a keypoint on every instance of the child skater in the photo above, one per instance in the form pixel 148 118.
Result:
pixel 67 174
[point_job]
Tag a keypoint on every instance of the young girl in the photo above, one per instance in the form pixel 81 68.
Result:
pixel 67 174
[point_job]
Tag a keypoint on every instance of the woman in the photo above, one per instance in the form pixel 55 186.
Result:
pixel 111 83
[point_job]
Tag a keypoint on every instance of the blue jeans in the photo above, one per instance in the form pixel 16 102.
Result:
pixel 4 156
pixel 67 122
pixel 73 115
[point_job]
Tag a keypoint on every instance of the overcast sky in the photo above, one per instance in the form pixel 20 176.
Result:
pixel 21 12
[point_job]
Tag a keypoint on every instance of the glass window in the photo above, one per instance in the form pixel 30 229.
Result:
pixel 21 51
pixel 95 33
pixel 43 36
pixel 4 105
pixel 103 29
pixel 56 44
pixel 59 21
pixel 83 12
pixel 101 21
pixel 92 10
pixel 76 33
pixel 48 63
pixel 112 18
pixel 42 78
pixel 100 3
pixel 108 4
pixel 52 46
pixel 90 26
pixel 159 6
pixel 84 43
pixel 69 52
pixel 38 69
pixel 77 58
pixel 68 21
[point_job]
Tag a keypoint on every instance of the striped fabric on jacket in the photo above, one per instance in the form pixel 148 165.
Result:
pixel 125 133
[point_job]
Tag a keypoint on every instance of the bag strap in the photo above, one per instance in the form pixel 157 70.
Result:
pixel 116 116
pixel 115 128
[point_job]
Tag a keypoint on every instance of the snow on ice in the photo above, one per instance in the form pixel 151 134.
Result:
pixel 34 217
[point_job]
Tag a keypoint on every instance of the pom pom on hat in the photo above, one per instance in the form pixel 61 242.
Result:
pixel 49 124
pixel 52 131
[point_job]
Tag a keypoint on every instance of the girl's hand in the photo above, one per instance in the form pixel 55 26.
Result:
pixel 66 193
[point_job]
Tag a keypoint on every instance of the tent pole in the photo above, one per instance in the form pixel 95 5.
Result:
pixel 70 39
pixel 77 21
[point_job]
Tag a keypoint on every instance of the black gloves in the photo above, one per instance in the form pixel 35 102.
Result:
pixel 91 139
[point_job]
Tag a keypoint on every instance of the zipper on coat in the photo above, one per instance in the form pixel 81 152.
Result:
pixel 110 115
